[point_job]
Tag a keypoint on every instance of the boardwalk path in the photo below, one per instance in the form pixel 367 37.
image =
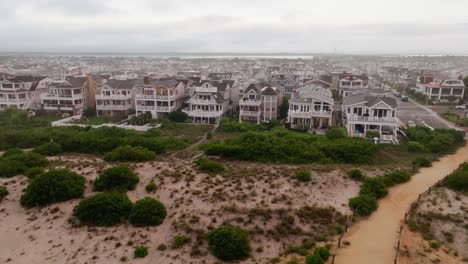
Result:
pixel 373 240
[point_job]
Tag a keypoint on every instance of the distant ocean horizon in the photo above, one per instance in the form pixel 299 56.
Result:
pixel 215 55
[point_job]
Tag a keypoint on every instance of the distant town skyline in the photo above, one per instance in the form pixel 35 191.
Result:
pixel 296 26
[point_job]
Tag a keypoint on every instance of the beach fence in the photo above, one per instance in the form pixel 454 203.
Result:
pixel 339 242
pixel 410 210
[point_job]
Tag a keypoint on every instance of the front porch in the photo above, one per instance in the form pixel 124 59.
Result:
pixel 380 133
pixel 313 123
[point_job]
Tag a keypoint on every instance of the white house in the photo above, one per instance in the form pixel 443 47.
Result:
pixel 444 88
pixel 116 97
pixel 21 91
pixel 160 97
pixel 366 116
pixel 311 107
pixel 210 100
pixel 66 96
pixel 260 102
pixel 350 82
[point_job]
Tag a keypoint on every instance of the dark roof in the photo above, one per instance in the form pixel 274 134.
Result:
pixel 258 86
pixel 214 75
pixel 26 78
pixel 122 84
pixel 269 91
pixel 369 100
pixel 166 82
pixel 76 81
pixel 221 86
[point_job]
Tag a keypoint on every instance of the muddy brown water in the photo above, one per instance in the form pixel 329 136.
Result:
pixel 373 240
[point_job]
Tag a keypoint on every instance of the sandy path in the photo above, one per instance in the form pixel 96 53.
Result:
pixel 373 240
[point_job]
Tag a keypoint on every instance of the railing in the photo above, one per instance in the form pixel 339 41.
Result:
pixel 206 90
pixel 250 102
pixel 113 107
pixel 113 97
pixel 201 113
pixel 202 102
pixel 372 119
pixel 249 113
pixel 145 107
pixel 58 96
pixel 13 100
pixel 309 114
pixel 156 108
pixel 154 97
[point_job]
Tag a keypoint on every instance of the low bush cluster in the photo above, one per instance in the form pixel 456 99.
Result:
pixel 150 187
pixel 373 189
pixel 303 175
pixel 178 116
pixel 438 141
pixel 458 180
pixel 3 192
pixel 140 252
pixel 49 149
pixel 17 130
pixel 229 243
pixel 209 166
pixel 180 241
pixel 103 209
pixel 17 162
pixel 147 212
pixel 319 256
pixel 53 186
pixel 140 119
pixel 129 153
pixel 283 146
pixel 119 178
pixel 356 174
pixel 421 161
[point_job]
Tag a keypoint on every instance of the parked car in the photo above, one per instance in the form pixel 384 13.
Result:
pixel 461 107
pixel 411 123
pixel 404 99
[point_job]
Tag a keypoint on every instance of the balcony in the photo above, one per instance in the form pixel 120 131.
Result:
pixel 113 97
pixel 114 107
pixel 250 102
pixel 60 96
pixel 153 97
pixel 372 119
pixel 202 102
pixel 249 113
pixel 309 114
pixel 156 108
pixel 201 113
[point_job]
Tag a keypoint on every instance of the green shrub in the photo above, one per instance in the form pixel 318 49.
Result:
pixel 12 151
pixel 129 153
pixel 395 177
pixel 438 141
pixel 49 149
pixel 297 249
pixel 53 186
pixel 323 252
pixel 140 252
pixel 421 162
pixel 18 163
pixel 314 259
pixel 147 212
pixel 229 243
pixel 178 116
pixel 33 172
pixel 434 244
pixel 303 175
pixel 373 187
pixel 150 187
pixel 458 180
pixel 363 205
pixel 283 146
pixel 414 146
pixel 119 178
pixel 356 174
pixel 372 134
pixel 180 241
pixel 335 133
pixel 209 166
pixel 103 209
pixel 3 192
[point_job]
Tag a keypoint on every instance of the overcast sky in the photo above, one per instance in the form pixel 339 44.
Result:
pixel 315 26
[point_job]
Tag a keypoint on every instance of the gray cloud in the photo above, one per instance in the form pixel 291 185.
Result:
pixel 163 26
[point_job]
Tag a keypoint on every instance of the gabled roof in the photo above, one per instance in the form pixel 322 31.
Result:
pixel 269 91
pixel 369 100
pixel 221 86
pixel 305 94
pixel 26 78
pixel 166 82
pixel 259 86
pixel 122 84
